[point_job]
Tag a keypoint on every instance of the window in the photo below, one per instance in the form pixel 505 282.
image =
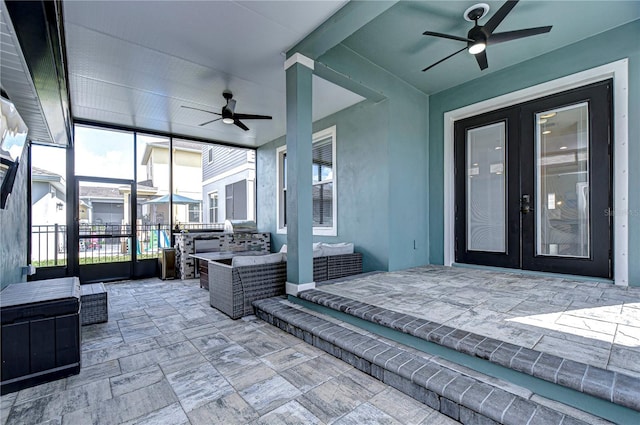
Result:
pixel 194 213
pixel 236 200
pixel 213 207
pixel 324 184
pixel 210 155
pixel 101 152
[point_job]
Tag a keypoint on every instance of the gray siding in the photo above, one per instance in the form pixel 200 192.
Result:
pixel 224 159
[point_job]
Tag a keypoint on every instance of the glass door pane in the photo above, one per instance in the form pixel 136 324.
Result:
pixel 562 181
pixel 48 206
pixel 153 226
pixel 486 189
pixel 104 222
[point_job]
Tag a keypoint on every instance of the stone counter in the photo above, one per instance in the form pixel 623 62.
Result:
pixel 186 244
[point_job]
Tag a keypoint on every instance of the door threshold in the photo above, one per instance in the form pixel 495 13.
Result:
pixel 535 273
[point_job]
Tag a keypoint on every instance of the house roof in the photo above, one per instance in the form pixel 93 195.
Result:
pixel 40 174
pixel 46 176
pixel 101 193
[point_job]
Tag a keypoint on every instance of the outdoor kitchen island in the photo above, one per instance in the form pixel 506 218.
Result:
pixel 237 237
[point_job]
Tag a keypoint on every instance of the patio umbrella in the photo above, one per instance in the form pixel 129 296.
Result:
pixel 177 199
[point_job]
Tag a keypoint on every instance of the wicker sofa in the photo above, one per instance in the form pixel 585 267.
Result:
pixel 232 289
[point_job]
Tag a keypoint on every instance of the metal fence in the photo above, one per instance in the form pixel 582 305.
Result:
pixel 106 243
pixel 49 245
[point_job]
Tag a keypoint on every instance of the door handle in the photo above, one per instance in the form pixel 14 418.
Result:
pixel 525 204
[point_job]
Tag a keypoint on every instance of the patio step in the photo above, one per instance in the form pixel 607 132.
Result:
pixel 458 392
pixel 614 387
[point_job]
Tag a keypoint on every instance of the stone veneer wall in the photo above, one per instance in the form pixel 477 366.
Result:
pixel 228 242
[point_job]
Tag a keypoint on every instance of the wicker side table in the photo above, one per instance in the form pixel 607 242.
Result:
pixel 93 304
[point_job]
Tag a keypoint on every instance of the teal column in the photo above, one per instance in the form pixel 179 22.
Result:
pixel 299 198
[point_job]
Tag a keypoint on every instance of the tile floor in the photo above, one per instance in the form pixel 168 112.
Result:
pixel 590 322
pixel 167 357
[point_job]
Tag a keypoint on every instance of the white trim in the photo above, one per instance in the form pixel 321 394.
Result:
pixel 279 183
pixel 209 205
pixel 619 72
pixel 329 132
pixel 299 58
pixel 229 173
pixel 295 288
pixel 251 196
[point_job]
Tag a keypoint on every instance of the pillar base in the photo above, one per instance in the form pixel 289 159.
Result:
pixel 295 288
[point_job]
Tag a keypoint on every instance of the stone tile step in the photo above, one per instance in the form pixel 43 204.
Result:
pixel 615 387
pixel 466 397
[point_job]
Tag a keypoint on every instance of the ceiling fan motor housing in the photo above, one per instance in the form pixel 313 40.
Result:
pixel 477 34
pixel 227 111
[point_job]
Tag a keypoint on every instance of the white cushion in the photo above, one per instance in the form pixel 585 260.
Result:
pixel 254 260
pixel 336 248
pixel 317 252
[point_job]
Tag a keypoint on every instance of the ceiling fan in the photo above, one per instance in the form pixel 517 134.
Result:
pixel 481 36
pixel 228 114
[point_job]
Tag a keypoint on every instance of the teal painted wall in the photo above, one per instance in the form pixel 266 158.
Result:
pixel 408 178
pixel 616 44
pixel 382 156
pixel 407 151
pixel 361 152
pixel 13 229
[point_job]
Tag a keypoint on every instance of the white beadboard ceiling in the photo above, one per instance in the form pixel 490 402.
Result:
pixel 17 82
pixel 135 63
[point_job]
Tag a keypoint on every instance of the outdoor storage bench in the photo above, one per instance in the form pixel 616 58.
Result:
pixel 40 332
pixel 235 284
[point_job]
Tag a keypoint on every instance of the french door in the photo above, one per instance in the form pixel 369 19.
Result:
pixel 533 185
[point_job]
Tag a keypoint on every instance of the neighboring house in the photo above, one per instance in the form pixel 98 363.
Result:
pixel 101 205
pixel 187 162
pixel 48 197
pixel 145 192
pixel 48 213
pixel 228 184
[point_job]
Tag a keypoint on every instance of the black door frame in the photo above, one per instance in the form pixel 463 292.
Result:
pixel 103 272
pixel 522 254
pixel 511 257
pixel 599 262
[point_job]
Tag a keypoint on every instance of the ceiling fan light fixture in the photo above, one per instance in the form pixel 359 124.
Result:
pixel 477 47
pixel 480 36
pixel 227 120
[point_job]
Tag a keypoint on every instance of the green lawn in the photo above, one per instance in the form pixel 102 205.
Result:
pixel 94 260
